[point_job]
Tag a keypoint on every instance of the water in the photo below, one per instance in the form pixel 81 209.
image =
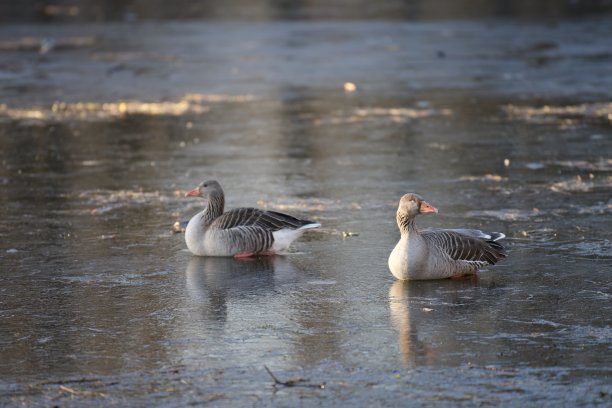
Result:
pixel 501 126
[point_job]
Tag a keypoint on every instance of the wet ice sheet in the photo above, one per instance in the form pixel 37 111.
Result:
pixel 156 61
pixel 565 115
pixel 98 295
pixel 346 387
pixel 88 111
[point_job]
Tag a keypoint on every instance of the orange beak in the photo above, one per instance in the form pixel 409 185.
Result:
pixel 194 193
pixel 427 208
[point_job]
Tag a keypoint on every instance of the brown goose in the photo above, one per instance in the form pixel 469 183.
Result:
pixel 240 232
pixel 439 253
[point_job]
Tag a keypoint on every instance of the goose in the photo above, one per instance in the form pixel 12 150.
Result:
pixel 439 253
pixel 241 232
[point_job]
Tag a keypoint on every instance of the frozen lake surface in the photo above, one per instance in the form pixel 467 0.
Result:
pixel 501 126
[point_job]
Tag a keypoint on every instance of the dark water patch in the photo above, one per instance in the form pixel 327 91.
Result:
pixel 105 11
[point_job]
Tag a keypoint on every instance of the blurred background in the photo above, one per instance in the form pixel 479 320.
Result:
pixel 411 10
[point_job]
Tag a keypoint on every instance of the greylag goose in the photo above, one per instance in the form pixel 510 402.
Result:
pixel 241 232
pixel 439 253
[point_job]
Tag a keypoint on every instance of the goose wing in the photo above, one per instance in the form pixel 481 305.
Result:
pixel 466 245
pixel 253 217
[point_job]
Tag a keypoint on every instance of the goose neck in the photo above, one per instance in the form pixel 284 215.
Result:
pixel 406 224
pixel 215 206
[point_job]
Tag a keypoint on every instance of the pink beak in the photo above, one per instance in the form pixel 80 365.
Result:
pixel 194 193
pixel 427 208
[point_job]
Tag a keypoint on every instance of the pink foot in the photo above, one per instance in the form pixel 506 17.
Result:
pixel 244 254
pixel 252 254
pixel 473 277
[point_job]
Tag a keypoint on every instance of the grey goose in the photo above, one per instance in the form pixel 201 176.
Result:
pixel 439 253
pixel 241 232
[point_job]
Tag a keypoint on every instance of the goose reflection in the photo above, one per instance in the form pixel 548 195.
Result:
pixel 423 312
pixel 213 282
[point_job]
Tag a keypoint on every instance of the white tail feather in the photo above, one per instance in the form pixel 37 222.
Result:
pixel 284 237
pixel 498 236
pixel 309 226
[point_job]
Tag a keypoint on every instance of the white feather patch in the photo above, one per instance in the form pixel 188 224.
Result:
pixel 284 237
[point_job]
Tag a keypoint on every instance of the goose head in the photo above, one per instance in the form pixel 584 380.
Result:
pixel 206 188
pixel 411 205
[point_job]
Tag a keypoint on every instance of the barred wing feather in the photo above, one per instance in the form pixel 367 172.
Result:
pixel 463 247
pixel 267 220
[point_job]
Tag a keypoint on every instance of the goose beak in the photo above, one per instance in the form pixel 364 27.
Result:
pixel 427 208
pixel 194 193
